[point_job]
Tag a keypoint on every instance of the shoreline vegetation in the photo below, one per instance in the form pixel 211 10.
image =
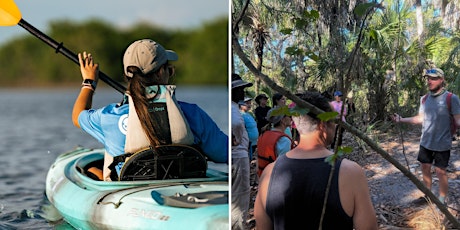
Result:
pixel 28 62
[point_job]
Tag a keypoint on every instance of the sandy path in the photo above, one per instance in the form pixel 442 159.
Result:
pixel 393 195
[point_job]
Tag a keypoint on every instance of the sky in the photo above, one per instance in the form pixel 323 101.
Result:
pixel 172 14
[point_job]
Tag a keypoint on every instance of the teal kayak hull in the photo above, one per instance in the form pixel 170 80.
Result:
pixel 154 204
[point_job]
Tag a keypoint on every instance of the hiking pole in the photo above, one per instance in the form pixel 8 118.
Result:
pixel 400 131
pixel 10 15
pixel 396 102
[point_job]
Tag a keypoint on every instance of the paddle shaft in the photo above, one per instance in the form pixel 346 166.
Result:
pixel 59 48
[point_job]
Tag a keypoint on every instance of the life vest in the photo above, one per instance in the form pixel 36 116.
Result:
pixel 266 147
pixel 170 120
pixel 170 125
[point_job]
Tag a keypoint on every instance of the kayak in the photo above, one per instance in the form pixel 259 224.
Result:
pixel 86 203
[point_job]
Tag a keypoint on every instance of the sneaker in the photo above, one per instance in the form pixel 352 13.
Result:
pixel 443 199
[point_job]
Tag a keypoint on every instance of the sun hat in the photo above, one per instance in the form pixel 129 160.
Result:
pixel 272 118
pixel 338 93
pixel 434 72
pixel 260 96
pixel 238 82
pixel 147 55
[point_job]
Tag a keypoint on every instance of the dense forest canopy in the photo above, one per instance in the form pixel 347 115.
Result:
pixel 374 51
pixel 27 61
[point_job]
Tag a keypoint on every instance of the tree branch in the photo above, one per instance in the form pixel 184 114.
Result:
pixel 237 49
pixel 235 25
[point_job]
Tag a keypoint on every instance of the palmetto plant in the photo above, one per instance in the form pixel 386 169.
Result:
pixel 377 50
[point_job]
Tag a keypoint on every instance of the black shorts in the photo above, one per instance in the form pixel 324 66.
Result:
pixel 440 158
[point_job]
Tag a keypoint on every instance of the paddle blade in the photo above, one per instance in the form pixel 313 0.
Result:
pixel 9 13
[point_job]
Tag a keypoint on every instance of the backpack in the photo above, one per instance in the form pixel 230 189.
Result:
pixel 453 124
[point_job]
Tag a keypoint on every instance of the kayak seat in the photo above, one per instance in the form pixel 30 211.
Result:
pixel 173 161
pixel 93 170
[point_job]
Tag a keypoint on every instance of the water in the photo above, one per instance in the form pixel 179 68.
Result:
pixel 36 127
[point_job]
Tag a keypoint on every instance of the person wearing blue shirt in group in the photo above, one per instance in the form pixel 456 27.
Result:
pixel 250 123
pixel 147 71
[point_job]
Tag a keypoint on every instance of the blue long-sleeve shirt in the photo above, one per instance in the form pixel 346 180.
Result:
pixel 108 126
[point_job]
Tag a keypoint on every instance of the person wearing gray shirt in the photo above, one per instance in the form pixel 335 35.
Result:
pixel 240 158
pixel 438 109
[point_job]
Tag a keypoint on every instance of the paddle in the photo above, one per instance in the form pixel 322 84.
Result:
pixel 10 16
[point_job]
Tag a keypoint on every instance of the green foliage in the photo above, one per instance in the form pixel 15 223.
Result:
pixel 375 52
pixel 341 150
pixel 286 31
pixel 308 17
pixel 203 52
pixel 327 116
pixel 298 111
pixel 362 8
pixel 206 55
pixel 285 110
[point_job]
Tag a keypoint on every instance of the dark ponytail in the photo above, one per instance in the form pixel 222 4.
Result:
pixel 136 88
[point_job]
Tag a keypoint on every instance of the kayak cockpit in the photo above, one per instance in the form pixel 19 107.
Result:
pixel 149 204
pixel 77 172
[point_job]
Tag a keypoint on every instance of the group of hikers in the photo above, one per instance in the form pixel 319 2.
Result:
pixel 291 153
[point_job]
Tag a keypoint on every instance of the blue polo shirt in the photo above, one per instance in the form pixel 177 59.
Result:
pixel 109 125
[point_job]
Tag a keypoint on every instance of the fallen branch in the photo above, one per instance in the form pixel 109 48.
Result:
pixel 406 172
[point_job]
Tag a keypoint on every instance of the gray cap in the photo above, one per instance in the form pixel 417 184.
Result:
pixel 147 55
pixel 246 99
pixel 434 72
pixel 243 102
pixel 274 119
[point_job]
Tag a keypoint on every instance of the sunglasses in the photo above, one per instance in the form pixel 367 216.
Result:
pixel 431 71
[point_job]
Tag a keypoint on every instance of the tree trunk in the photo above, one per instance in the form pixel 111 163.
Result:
pixel 419 19
pixel 259 68
pixel 237 49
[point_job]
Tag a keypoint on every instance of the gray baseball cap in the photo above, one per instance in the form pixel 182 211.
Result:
pixel 274 119
pixel 434 72
pixel 147 55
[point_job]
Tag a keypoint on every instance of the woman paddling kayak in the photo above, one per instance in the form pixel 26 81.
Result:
pixel 149 114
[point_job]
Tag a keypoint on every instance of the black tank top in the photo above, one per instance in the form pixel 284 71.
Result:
pixel 295 201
